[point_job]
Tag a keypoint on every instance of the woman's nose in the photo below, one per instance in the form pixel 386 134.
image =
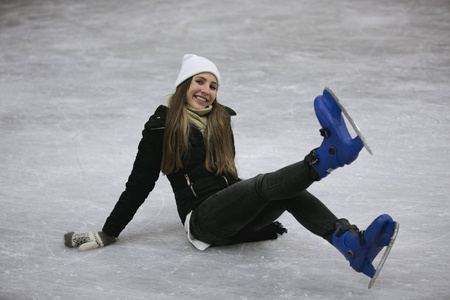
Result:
pixel 205 90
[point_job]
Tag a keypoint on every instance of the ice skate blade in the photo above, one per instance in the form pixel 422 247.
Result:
pixel 352 122
pixel 385 255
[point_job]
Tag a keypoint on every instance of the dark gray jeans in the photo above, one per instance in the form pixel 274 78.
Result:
pixel 252 204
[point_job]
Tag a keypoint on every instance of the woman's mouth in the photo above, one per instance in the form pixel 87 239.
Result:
pixel 199 98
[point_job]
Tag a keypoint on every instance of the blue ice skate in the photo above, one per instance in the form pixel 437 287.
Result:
pixel 338 148
pixel 361 247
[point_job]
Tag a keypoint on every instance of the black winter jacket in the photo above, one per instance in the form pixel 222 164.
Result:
pixel 191 185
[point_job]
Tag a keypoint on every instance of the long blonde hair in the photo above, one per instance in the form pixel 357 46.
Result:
pixel 218 137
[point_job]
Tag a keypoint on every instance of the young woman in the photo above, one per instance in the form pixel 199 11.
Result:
pixel 191 141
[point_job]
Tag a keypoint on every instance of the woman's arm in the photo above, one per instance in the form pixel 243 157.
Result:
pixel 145 173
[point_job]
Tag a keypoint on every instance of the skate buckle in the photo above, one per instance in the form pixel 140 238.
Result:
pixel 312 158
pixel 324 132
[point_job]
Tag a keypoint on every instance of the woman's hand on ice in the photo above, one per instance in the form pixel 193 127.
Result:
pixel 88 240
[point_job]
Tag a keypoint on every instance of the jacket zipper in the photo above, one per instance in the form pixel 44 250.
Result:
pixel 226 180
pixel 190 184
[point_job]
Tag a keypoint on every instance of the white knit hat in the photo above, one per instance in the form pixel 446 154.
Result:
pixel 192 65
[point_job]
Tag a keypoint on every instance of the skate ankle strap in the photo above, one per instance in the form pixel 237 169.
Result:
pixel 343 226
pixel 343 229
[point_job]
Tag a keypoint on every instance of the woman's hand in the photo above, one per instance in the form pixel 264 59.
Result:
pixel 89 240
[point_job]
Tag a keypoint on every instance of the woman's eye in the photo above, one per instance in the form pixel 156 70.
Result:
pixel 199 81
pixel 213 87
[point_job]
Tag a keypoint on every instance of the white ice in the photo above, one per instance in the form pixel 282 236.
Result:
pixel 78 80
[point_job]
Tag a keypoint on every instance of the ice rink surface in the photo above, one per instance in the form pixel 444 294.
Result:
pixel 78 80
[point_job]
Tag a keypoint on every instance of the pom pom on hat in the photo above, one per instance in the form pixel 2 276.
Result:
pixel 192 65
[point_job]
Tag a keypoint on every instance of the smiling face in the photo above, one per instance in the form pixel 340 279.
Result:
pixel 202 91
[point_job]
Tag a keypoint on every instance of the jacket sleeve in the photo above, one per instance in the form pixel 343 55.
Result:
pixel 145 173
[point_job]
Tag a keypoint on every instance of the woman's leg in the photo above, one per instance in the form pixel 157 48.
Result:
pixel 226 213
pixel 312 214
pixel 306 209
